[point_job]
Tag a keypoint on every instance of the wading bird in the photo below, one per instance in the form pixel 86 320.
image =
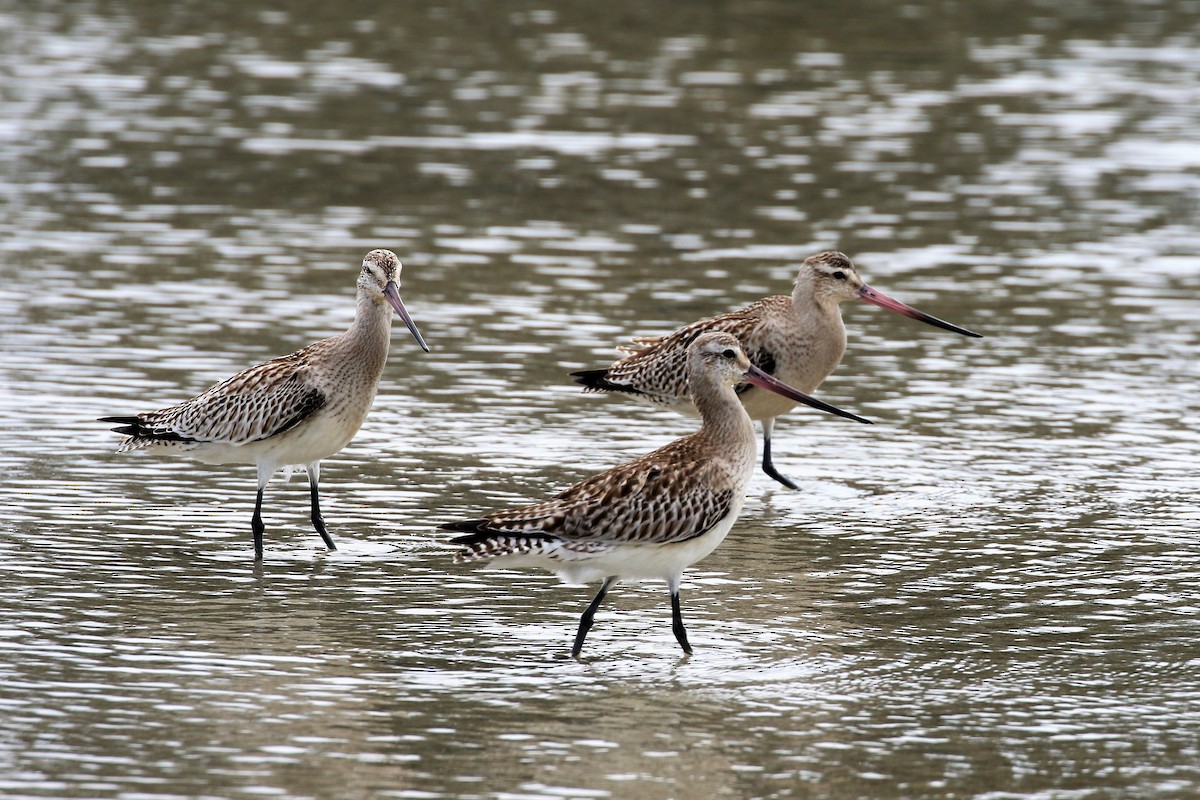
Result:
pixel 292 410
pixel 651 517
pixel 799 339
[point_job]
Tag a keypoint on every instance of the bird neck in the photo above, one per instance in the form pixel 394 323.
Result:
pixel 370 332
pixel 721 412
pixel 816 310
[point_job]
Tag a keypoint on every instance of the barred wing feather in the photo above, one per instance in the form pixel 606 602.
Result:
pixel 659 368
pixel 261 402
pixel 655 498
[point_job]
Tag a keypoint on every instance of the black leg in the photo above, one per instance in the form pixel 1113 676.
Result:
pixel 256 525
pixel 317 520
pixel 585 622
pixel 677 624
pixel 769 467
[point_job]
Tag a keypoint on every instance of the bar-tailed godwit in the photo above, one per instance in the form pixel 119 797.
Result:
pixel 799 339
pixel 292 410
pixel 651 517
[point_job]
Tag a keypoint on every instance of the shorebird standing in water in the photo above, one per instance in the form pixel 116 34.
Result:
pixel 292 410
pixel 651 517
pixel 799 339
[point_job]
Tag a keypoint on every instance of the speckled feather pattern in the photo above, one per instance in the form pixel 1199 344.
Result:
pixel 263 401
pixel 333 380
pixel 657 369
pixel 671 495
pixel 652 516
pixel 295 410
pixel 800 339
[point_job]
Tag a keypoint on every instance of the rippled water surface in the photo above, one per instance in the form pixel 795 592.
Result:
pixel 990 593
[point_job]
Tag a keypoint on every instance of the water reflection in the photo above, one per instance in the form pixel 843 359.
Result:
pixel 990 591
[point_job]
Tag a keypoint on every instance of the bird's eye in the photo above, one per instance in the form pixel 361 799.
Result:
pixel 841 276
pixel 729 354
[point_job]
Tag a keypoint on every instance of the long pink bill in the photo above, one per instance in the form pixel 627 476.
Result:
pixel 392 293
pixel 763 380
pixel 875 298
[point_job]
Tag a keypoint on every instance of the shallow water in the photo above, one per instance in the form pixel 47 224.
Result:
pixel 990 593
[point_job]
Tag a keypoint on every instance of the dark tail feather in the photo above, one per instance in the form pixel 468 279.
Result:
pixel 476 527
pixel 131 426
pixel 479 531
pixel 596 380
pixel 472 539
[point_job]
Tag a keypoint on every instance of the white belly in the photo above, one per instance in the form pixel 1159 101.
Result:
pixel 312 440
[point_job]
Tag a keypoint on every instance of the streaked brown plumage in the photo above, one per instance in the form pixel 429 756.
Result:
pixel 799 339
pixel 650 517
pixel 293 410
